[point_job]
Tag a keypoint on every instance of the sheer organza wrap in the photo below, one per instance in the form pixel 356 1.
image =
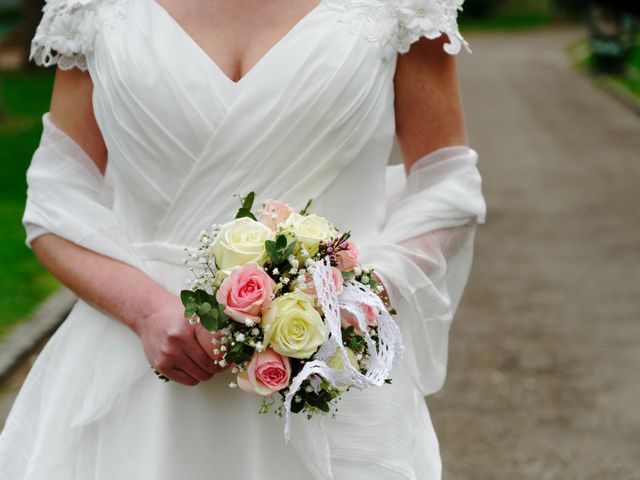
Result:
pixel 68 196
pixel 423 255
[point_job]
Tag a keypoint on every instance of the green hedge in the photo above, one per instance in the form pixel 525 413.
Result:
pixel 24 283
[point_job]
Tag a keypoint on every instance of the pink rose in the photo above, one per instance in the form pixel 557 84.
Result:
pixel 268 372
pixel 246 292
pixel 273 213
pixel 347 259
pixel 310 288
pixel 349 318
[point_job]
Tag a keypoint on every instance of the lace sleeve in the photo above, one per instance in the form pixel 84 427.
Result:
pixel 430 19
pixel 67 31
pixel 395 24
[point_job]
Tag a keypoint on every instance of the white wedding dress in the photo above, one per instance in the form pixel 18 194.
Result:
pixel 313 119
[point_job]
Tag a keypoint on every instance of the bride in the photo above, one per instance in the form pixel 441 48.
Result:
pixel 161 111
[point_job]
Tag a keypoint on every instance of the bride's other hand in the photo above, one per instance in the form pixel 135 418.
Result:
pixel 120 290
pixel 179 350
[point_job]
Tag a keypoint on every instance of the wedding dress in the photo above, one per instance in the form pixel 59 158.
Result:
pixel 313 118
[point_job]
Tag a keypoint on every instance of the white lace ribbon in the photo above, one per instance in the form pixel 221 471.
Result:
pixel 355 298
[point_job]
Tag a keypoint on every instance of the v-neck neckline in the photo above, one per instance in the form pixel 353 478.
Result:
pixel 263 59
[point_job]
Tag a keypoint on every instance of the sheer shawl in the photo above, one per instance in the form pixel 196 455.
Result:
pixel 423 256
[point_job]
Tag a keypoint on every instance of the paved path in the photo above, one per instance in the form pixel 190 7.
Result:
pixel 545 355
pixel 544 378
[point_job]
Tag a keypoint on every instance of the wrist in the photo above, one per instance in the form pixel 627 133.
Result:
pixel 148 301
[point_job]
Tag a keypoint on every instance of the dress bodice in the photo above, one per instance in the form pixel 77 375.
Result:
pixel 313 118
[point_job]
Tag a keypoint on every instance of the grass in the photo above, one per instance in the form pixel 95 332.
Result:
pixel 632 80
pixel 23 283
pixel 507 22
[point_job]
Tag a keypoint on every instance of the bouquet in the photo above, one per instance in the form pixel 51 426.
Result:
pixel 298 318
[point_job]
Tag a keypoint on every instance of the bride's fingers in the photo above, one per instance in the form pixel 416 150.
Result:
pixel 205 338
pixel 202 359
pixel 181 377
pixel 190 367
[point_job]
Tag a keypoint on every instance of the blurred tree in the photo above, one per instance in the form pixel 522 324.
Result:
pixel 31 14
pixel 617 7
pixel 481 8
pixel 614 35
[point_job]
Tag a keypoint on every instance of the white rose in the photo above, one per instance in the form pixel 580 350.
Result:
pixel 310 230
pixel 292 327
pixel 239 242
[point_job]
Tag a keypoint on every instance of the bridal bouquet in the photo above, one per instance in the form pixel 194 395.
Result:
pixel 297 316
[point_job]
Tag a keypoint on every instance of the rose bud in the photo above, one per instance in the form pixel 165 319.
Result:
pixel 268 372
pixel 347 259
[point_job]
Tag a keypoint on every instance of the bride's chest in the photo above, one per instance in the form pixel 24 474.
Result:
pixel 153 76
pixel 235 35
pixel 150 48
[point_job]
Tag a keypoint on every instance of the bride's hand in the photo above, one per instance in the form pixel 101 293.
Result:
pixel 205 338
pixel 178 350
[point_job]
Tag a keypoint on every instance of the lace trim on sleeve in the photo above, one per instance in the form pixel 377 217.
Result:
pixel 396 24
pixel 430 19
pixel 68 28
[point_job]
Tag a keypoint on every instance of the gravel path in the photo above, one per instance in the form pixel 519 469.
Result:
pixel 544 376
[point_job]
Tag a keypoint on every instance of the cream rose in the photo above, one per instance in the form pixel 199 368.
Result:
pixel 239 242
pixel 310 230
pixel 292 327
pixel 335 361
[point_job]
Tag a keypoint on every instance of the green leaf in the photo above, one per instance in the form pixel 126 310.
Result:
pixel 239 353
pixel 281 242
pixel 223 318
pixel 347 275
pixel 323 405
pixel 190 310
pixel 289 250
pixel 209 322
pixel 296 407
pixel 246 205
pixel 272 250
pixel 245 213
pixel 204 308
pixel 305 210
pixel 201 296
pixel 187 297
pixel 248 200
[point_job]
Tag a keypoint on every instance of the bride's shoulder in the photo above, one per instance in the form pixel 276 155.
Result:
pixel 396 24
pixel 68 28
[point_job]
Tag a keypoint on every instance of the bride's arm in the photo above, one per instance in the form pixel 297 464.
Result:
pixel 171 344
pixel 429 115
pixel 428 106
